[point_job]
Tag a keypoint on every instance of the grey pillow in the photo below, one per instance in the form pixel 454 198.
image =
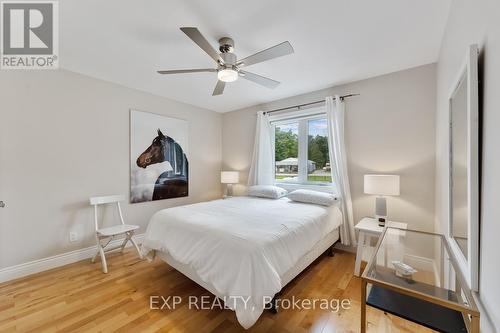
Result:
pixel 313 197
pixel 266 191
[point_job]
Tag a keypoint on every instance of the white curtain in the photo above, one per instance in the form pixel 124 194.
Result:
pixel 261 170
pixel 335 110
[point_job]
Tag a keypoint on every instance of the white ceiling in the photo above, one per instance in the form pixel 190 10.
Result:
pixel 335 41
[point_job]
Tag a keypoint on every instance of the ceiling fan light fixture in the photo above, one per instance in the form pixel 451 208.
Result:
pixel 228 66
pixel 227 75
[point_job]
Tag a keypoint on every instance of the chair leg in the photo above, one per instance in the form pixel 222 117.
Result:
pixel 97 252
pixel 103 257
pixel 95 255
pixel 135 244
pixel 125 241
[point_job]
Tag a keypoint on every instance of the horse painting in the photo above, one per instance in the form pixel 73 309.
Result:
pixel 167 153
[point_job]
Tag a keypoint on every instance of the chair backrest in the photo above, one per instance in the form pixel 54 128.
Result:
pixel 106 200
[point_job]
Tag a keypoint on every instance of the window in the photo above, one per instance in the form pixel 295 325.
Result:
pixel 318 158
pixel 301 151
pixel 286 152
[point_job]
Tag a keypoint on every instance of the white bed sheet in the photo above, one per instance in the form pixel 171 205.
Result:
pixel 241 245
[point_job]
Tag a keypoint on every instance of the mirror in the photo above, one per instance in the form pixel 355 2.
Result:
pixel 463 231
pixel 458 166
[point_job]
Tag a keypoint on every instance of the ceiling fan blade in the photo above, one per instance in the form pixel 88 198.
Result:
pixel 180 71
pixel 267 54
pixel 263 81
pixel 202 42
pixel 219 88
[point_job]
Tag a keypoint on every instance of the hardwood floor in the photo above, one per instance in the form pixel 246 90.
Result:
pixel 80 298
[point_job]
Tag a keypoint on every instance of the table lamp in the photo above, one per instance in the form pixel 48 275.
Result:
pixel 381 186
pixel 229 178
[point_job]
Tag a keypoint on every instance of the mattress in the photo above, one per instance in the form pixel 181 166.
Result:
pixel 242 247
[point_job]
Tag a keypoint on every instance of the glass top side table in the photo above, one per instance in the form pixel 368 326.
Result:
pixel 413 275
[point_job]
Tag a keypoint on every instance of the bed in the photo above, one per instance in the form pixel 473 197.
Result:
pixel 243 250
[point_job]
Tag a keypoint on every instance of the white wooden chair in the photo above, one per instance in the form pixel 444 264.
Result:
pixel 110 232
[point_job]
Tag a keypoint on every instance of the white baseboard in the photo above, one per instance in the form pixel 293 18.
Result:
pixel 345 248
pixel 40 265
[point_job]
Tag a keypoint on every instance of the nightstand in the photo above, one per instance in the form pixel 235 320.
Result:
pixel 435 295
pixel 368 228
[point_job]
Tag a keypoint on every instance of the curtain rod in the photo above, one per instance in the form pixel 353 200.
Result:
pixel 307 104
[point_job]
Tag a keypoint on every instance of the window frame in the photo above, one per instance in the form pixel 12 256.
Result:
pixel 302 120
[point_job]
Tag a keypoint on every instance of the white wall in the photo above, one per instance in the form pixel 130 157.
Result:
pixel 65 137
pixel 474 22
pixel 390 128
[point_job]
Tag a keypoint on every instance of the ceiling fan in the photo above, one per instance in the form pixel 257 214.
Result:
pixel 228 66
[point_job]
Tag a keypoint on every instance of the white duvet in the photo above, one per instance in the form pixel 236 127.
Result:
pixel 242 245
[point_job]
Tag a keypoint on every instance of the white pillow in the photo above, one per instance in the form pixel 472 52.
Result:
pixel 313 197
pixel 267 191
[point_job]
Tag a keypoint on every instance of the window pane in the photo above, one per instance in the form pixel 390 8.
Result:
pixel 318 159
pixel 286 138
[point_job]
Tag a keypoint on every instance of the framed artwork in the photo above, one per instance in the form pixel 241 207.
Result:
pixel 159 167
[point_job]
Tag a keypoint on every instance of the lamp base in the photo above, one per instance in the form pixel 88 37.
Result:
pixel 229 191
pixel 380 210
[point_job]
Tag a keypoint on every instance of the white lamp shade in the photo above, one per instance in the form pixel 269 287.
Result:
pixel 229 177
pixel 382 184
